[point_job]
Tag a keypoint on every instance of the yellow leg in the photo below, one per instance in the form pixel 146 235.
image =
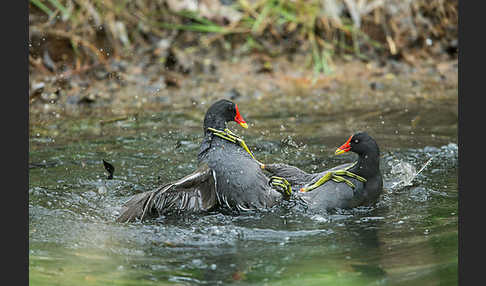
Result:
pixel 282 183
pixel 336 176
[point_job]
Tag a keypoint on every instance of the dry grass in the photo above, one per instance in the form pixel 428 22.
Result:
pixel 80 33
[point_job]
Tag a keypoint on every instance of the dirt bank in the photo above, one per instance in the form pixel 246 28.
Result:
pixel 285 86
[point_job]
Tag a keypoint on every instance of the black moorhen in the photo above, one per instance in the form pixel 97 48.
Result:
pixel 228 176
pixel 345 186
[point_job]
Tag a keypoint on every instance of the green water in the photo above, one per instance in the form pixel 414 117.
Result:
pixel 409 238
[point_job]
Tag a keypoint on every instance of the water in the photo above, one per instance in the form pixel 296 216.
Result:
pixel 409 238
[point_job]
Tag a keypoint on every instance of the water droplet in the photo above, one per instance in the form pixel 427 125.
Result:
pixel 101 190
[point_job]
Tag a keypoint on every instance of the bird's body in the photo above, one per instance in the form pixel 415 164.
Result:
pixel 228 176
pixel 332 194
pixel 242 184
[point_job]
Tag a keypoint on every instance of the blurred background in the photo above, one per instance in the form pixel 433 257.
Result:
pixel 88 51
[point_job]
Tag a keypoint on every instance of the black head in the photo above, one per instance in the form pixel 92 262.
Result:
pixel 360 143
pixel 223 111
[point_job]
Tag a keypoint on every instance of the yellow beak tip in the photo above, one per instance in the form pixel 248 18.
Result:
pixel 338 151
pixel 244 125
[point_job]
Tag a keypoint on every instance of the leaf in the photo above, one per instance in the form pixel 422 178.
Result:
pixel 43 7
pixel 109 168
pixel 61 8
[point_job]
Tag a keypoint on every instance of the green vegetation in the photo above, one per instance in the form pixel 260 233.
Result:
pixel 323 29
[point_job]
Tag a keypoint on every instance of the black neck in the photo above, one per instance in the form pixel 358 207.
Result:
pixel 209 137
pixel 368 164
pixel 214 121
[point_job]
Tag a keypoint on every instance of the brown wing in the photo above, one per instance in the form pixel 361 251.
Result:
pixel 193 193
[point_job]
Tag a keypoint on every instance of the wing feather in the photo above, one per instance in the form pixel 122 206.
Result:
pixel 193 193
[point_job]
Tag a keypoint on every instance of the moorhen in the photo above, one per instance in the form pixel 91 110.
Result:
pixel 229 176
pixel 344 186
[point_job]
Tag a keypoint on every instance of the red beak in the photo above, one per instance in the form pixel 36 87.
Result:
pixel 345 147
pixel 239 119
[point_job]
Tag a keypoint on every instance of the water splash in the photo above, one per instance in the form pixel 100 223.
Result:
pixel 405 173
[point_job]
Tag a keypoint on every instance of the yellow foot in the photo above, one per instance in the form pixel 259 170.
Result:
pixel 336 176
pixel 282 185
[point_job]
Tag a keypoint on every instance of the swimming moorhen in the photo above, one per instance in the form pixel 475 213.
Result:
pixel 344 186
pixel 229 176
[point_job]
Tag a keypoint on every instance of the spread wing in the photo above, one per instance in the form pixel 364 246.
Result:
pixel 193 193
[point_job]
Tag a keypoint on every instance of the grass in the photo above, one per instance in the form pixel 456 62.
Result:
pixel 324 30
